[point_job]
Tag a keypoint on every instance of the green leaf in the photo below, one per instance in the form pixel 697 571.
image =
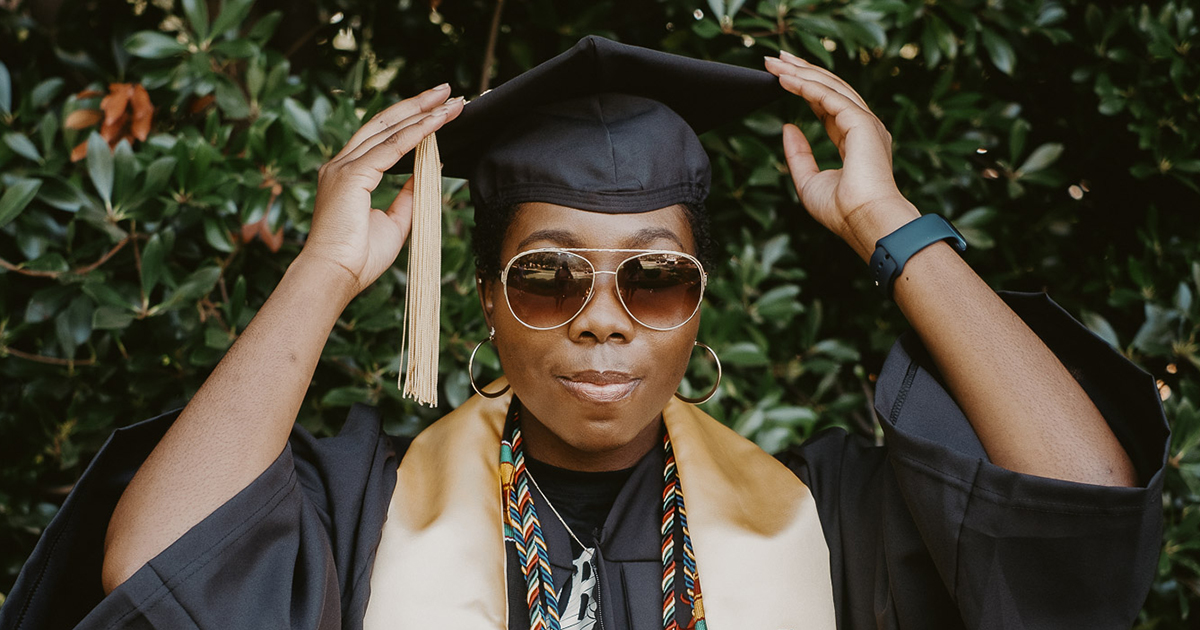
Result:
pixel 110 318
pixel 105 295
pixel 1101 327
pixel 779 304
pixel 74 325
pixel 1041 157
pixel 1016 138
pixel 744 353
pixel 216 234
pixel 255 77
pixel 1183 298
pixel 152 45
pixel 62 195
pixel 100 167
pixel 231 100
pixel 44 303
pixel 346 396
pixel 237 302
pixel 153 260
pixel 5 90
pixel 158 174
pixel 835 349
pixel 197 15
pixel 1157 333
pixel 45 91
pixel 1000 51
pixel 300 120
pixel 124 170
pixel 52 261
pixel 22 146
pixel 236 49
pixel 265 27
pixel 16 198
pixel 232 14
pixel 946 39
pixel 196 286
pixel 791 416
pixel 813 45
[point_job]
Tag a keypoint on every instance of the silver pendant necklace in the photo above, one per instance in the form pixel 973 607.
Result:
pixel 582 610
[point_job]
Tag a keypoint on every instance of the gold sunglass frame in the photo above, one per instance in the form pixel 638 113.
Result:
pixel 634 253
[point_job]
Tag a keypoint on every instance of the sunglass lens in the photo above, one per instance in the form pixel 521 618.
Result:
pixel 660 290
pixel 547 289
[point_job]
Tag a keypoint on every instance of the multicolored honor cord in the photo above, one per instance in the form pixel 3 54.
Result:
pixel 522 526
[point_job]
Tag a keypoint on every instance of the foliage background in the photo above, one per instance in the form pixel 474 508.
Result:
pixel 1059 135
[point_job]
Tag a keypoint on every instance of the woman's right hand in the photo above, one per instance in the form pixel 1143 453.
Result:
pixel 347 233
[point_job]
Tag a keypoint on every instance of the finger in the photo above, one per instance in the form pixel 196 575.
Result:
pixel 383 135
pixel 400 212
pixel 843 86
pixel 406 108
pixel 799 155
pixel 839 113
pixel 808 72
pixel 385 154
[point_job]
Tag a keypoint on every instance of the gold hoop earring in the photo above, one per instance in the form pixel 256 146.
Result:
pixel 705 398
pixel 471 368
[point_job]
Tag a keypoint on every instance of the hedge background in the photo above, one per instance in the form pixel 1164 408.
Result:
pixel 159 161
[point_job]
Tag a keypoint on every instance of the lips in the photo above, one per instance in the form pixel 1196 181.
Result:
pixel 600 387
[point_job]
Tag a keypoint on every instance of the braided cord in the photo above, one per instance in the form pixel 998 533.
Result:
pixel 530 543
pixel 670 487
pixel 526 532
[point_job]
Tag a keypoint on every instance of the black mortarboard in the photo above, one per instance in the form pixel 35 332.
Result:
pixel 603 127
pixel 588 129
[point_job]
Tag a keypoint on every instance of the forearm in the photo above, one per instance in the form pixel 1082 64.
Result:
pixel 1028 411
pixel 236 424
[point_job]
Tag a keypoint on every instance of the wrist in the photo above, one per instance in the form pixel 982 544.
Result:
pixel 874 220
pixel 335 282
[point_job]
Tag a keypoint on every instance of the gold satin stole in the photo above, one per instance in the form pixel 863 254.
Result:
pixel 760 552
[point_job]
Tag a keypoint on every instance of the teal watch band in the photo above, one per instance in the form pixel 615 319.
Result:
pixel 894 250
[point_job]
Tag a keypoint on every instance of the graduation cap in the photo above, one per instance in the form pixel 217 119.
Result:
pixel 603 127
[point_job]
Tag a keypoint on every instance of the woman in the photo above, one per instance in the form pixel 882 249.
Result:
pixel 558 498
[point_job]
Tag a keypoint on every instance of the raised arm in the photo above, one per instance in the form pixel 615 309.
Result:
pixel 1028 412
pixel 239 420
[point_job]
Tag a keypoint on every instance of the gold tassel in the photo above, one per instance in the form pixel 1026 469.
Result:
pixel 422 306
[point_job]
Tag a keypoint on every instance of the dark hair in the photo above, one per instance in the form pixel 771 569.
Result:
pixel 491 227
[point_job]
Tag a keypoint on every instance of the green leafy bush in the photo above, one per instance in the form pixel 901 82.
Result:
pixel 1061 137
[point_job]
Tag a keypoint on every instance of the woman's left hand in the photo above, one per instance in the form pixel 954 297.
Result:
pixel 859 202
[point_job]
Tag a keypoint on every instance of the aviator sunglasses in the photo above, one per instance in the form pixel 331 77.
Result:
pixel 548 287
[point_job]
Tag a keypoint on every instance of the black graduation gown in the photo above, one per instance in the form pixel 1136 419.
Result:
pixel 924 533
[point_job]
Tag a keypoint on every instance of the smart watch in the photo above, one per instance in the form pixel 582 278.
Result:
pixel 894 250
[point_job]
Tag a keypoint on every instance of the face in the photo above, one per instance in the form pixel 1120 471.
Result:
pixel 593 389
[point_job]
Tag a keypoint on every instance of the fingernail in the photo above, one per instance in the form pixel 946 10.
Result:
pixel 454 101
pixel 444 86
pixel 783 54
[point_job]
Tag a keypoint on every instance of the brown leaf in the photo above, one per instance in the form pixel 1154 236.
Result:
pixel 200 104
pixel 82 118
pixel 273 241
pixel 143 112
pixel 117 100
pixel 250 230
pixel 88 94
pixel 114 130
pixel 79 152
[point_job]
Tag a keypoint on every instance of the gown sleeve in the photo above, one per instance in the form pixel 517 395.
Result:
pixel 291 550
pixel 927 533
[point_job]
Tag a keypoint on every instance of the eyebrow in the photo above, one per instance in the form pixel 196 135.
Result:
pixel 637 240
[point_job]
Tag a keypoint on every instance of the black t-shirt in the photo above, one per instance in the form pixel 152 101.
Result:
pixel 583 499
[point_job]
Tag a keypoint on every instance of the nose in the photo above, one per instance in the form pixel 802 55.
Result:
pixel 603 318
